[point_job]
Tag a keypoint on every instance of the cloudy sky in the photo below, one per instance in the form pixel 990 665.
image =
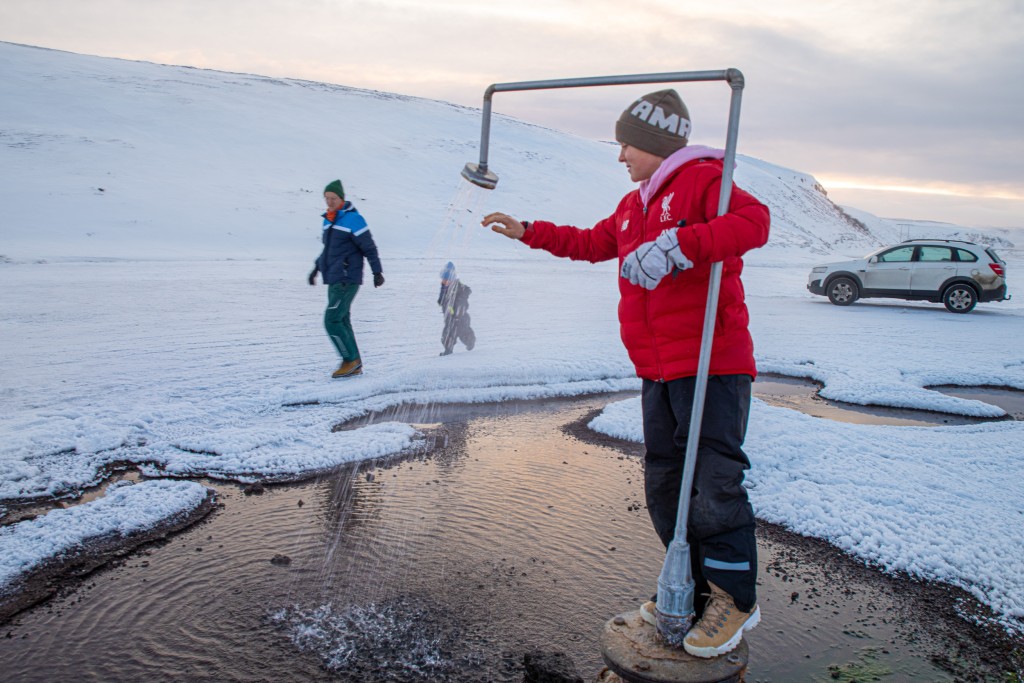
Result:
pixel 911 110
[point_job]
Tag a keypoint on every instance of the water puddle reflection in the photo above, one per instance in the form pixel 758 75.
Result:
pixel 512 535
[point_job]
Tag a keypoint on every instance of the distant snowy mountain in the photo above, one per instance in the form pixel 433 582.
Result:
pixel 1000 238
pixel 107 158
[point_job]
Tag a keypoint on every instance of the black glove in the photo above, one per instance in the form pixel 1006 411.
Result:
pixel 312 276
pixel 378 279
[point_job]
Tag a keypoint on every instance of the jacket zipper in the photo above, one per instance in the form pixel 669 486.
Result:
pixel 647 311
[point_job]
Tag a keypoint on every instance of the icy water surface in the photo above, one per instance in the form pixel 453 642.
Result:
pixel 511 535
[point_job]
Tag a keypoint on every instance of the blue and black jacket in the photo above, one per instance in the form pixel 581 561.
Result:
pixel 346 241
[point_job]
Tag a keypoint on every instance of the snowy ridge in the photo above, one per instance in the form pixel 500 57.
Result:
pixel 803 217
pixel 1003 239
pixel 136 147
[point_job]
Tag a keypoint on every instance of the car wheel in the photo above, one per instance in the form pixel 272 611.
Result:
pixel 960 298
pixel 842 291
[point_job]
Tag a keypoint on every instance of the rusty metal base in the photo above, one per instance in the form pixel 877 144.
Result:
pixel 631 649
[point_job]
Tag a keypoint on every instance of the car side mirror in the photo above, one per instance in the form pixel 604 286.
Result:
pixel 873 259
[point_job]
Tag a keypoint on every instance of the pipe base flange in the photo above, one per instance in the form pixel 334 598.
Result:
pixel 632 650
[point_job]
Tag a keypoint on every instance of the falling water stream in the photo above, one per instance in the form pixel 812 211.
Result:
pixel 510 534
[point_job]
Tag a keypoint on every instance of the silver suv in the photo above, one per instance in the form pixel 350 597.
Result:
pixel 957 273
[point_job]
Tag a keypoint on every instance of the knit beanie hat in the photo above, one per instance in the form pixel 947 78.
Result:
pixel 658 123
pixel 335 187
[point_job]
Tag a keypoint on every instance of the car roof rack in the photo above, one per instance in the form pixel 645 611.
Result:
pixel 936 239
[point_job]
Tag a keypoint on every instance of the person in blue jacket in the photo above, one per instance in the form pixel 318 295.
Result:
pixel 347 241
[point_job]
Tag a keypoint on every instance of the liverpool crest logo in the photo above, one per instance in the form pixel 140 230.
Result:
pixel 665 214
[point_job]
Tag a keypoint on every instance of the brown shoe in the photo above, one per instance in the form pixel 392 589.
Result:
pixel 721 627
pixel 349 368
pixel 648 612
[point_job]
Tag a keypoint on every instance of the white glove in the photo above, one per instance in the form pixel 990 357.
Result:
pixel 651 261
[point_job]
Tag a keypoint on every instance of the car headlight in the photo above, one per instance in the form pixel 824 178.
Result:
pixel 819 269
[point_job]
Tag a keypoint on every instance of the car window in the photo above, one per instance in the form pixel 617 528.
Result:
pixel 898 255
pixel 965 255
pixel 933 254
pixel 994 255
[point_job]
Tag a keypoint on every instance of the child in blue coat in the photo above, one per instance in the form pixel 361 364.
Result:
pixel 454 303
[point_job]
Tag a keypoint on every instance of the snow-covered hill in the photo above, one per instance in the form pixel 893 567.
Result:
pixel 107 158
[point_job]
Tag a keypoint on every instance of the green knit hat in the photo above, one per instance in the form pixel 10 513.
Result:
pixel 335 187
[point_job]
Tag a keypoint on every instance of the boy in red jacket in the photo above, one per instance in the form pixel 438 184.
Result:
pixel 666 235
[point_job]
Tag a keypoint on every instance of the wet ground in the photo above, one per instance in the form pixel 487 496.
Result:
pixel 1010 400
pixel 802 395
pixel 521 529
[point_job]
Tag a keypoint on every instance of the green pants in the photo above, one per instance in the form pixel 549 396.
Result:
pixel 338 322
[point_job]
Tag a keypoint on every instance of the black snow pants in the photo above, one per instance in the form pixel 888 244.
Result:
pixel 721 522
pixel 456 328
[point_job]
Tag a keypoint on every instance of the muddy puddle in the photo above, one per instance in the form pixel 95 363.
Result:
pixel 802 395
pixel 1010 400
pixel 516 532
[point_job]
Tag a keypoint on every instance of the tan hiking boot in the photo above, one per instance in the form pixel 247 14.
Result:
pixel 349 368
pixel 721 627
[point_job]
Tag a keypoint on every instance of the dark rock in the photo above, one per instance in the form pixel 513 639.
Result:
pixel 281 560
pixel 550 667
pixel 253 489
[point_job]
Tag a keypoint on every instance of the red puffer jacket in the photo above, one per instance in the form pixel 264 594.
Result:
pixel 661 328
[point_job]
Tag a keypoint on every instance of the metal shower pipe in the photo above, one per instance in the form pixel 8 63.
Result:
pixel 675 582
pixel 478 174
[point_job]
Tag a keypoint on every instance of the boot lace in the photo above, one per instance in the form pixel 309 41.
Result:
pixel 716 613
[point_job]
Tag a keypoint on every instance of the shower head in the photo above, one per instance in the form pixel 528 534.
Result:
pixel 479 175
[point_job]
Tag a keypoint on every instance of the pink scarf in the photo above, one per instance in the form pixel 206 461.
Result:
pixel 672 163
